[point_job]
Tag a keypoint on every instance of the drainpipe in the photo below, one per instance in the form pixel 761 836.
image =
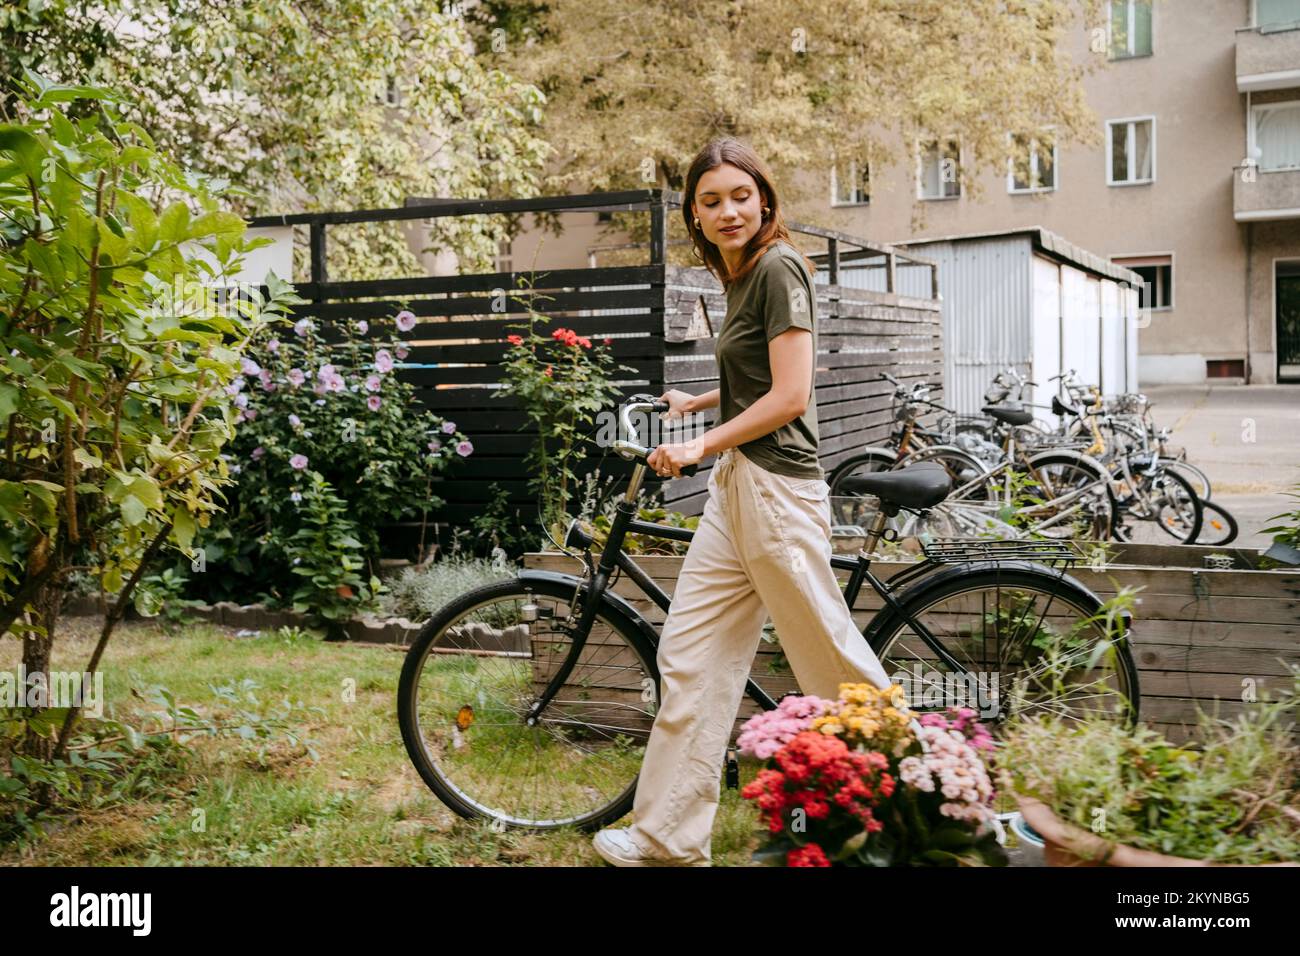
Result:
pixel 1250 257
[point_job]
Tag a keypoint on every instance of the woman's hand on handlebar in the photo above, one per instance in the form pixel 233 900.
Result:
pixel 679 403
pixel 669 460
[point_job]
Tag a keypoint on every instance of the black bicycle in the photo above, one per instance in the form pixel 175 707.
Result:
pixel 529 701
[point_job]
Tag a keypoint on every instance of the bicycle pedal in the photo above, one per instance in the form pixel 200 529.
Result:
pixel 733 769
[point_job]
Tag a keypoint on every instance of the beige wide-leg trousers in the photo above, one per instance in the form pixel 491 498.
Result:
pixel 762 547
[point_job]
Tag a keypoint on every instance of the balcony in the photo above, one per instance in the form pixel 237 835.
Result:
pixel 1260 196
pixel 1268 58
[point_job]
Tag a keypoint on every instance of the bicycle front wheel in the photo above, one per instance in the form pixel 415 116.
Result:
pixel 1014 640
pixel 471 678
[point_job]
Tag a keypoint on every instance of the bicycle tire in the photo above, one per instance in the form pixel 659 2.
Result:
pixel 1188 469
pixel 1198 513
pixel 439 778
pixel 1211 513
pixel 885 632
pixel 1106 525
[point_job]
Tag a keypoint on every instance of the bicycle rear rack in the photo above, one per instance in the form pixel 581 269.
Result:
pixel 966 550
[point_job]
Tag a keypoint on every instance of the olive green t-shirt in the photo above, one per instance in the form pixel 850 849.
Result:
pixel 776 295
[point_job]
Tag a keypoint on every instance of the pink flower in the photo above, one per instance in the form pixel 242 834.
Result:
pixel 363 326
pixel 448 427
pixel 273 345
pixel 373 403
pixel 302 327
pixel 295 421
pixel 298 462
pixel 258 452
pixel 249 366
pixel 402 352
pixel 435 446
pixel 464 448
pixel 250 413
pixel 383 361
pixel 406 320
pixel 296 377
pixel 265 378
pixel 373 383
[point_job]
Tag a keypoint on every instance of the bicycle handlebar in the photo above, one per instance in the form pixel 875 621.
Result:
pixel 633 449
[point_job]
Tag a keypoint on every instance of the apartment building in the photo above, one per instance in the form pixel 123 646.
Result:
pixel 1196 188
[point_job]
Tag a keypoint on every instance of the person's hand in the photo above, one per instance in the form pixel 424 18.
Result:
pixel 679 403
pixel 671 459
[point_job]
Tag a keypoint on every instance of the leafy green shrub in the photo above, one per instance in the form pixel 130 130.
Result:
pixel 323 422
pixel 117 350
pixel 562 381
pixel 419 593
pixel 1229 796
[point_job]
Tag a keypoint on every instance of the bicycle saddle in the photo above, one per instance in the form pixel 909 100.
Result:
pixel 1060 408
pixel 1008 415
pixel 915 486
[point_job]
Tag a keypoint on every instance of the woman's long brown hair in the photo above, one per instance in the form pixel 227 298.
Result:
pixel 772 228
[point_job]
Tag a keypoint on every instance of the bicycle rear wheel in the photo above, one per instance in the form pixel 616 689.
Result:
pixel 1016 639
pixel 468 683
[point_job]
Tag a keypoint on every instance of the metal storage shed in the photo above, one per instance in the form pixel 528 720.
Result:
pixel 1026 298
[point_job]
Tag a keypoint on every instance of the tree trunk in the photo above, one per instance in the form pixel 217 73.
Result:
pixel 46 603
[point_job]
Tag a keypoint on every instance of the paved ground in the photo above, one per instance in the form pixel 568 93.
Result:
pixel 1246 438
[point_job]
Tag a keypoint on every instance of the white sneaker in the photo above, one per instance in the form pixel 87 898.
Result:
pixel 618 848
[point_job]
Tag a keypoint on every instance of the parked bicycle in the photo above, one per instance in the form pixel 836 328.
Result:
pixel 530 701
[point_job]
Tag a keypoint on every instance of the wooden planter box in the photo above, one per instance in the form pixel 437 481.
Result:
pixel 1201 637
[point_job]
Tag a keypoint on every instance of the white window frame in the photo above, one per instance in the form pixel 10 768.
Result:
pixel 1128 151
pixel 1033 166
pixel 853 172
pixel 920 167
pixel 1153 255
pixel 1132 21
pixel 1251 126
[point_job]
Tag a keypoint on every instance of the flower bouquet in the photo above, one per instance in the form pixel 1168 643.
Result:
pixel 859 781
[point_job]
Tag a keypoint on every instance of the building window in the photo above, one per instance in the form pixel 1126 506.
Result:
pixel 505 262
pixel 1157 272
pixel 1131 151
pixel 850 182
pixel 939 165
pixel 1032 166
pixel 1275 132
pixel 604 216
pixel 1283 14
pixel 1130 28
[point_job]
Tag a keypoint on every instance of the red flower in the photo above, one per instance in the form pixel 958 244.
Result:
pixel 547 373
pixel 810 855
pixel 609 341
pixel 515 339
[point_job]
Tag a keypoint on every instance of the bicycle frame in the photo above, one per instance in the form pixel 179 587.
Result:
pixel 613 558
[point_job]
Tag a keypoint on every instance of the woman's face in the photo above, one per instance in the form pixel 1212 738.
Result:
pixel 728 205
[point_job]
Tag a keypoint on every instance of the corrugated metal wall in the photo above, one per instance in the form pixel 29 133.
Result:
pixel 986 291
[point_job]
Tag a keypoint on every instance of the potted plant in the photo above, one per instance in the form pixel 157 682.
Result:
pixel 1103 795
pixel 859 781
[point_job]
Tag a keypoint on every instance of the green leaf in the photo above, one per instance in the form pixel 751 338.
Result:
pixel 183 527
pixel 175 223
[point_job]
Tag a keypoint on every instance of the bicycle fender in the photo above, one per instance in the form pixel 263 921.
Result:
pixel 615 604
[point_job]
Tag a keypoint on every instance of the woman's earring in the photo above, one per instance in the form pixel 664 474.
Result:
pixel 697 222
pixel 765 212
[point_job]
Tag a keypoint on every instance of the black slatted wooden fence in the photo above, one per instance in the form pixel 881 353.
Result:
pixel 653 314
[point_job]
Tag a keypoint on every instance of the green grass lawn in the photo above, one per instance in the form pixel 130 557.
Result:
pixel 360 803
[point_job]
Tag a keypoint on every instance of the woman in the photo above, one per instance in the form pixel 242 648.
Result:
pixel 763 543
